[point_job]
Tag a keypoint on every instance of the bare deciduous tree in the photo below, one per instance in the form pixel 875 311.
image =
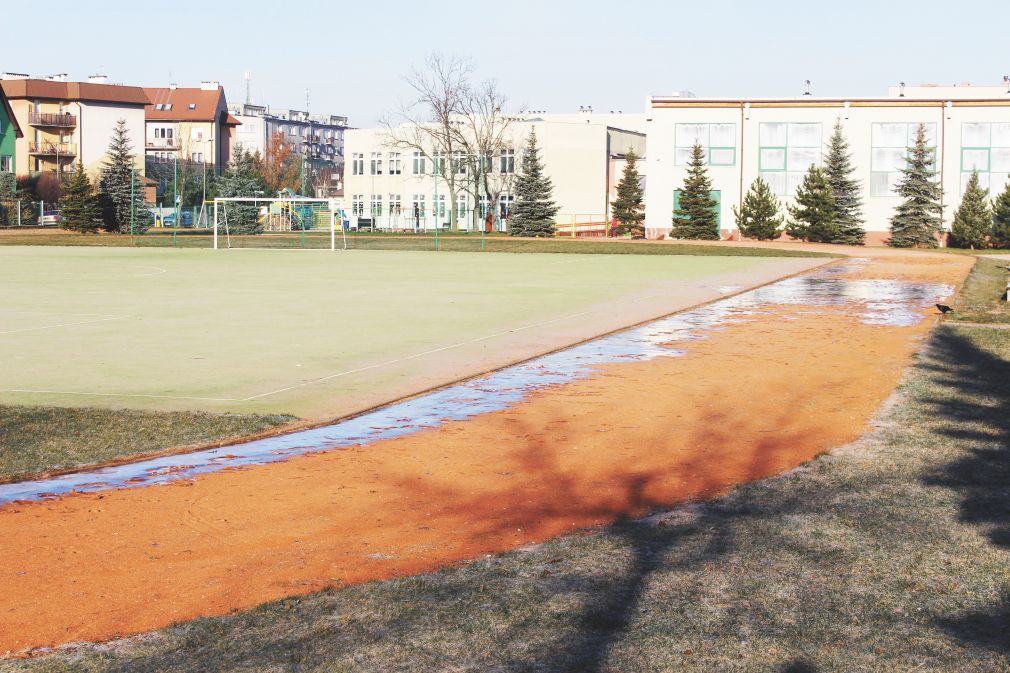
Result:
pixel 457 127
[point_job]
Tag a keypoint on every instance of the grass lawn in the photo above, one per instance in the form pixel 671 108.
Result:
pixel 448 242
pixel 37 439
pixel 981 300
pixel 313 333
pixel 892 554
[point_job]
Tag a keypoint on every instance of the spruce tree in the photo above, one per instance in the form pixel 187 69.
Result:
pixel 918 220
pixel 120 192
pixel 973 218
pixel 534 210
pixel 1001 219
pixel 628 207
pixel 240 180
pixel 759 215
pixel 814 214
pixel 696 215
pixel 79 209
pixel 839 170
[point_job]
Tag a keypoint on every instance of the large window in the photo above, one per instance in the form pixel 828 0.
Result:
pixel 394 204
pixel 717 140
pixel 376 163
pixel 418 166
pixel 438 205
pixel 358 204
pixel 376 205
pixel 357 163
pixel 505 206
pixel 507 162
pixel 786 151
pixel 459 163
pixel 394 163
pixel 461 206
pixel 985 147
pixel 418 205
pixel 889 143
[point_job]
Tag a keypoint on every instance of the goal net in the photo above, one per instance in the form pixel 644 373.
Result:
pixel 278 222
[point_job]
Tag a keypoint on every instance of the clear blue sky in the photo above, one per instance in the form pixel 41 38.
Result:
pixel 546 54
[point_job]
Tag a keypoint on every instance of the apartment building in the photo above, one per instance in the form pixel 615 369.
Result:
pixel 10 131
pixel 318 138
pixel 65 122
pixel 779 139
pixel 189 124
pixel 389 186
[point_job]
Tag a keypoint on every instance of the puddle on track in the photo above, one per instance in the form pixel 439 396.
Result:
pixel 873 302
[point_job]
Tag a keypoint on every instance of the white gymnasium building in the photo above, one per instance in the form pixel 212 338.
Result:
pixel 778 139
pixel 389 187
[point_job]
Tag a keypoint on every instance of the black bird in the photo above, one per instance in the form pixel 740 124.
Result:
pixel 944 309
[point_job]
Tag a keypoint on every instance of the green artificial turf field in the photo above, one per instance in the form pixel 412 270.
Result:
pixel 312 332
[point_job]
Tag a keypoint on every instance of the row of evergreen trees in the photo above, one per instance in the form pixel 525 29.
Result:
pixel 828 208
pixel 116 203
pixel 979 223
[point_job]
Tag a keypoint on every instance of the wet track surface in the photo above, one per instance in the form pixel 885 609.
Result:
pixel 872 302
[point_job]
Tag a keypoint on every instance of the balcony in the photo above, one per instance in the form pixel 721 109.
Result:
pixel 50 149
pixel 52 119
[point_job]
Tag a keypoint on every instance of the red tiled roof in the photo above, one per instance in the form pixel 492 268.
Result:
pixel 73 91
pixel 231 121
pixel 206 104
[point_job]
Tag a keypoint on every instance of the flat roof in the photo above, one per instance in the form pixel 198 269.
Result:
pixel 811 101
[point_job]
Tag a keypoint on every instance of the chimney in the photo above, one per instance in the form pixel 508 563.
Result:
pixel 98 79
pixel 209 85
pixel 172 86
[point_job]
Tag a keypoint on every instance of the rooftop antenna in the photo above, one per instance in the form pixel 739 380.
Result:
pixel 248 88
pixel 806 92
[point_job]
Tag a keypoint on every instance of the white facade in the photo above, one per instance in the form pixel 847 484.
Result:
pixel 97 123
pixel 780 139
pixel 391 187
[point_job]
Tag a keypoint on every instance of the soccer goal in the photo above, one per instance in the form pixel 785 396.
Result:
pixel 278 222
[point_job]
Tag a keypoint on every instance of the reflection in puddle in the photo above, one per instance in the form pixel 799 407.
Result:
pixel 873 302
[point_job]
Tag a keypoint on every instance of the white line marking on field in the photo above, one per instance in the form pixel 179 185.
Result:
pixel 160 397
pixel 65 324
pixel 157 271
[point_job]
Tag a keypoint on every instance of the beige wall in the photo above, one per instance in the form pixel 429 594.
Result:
pixel 858 121
pixel 574 153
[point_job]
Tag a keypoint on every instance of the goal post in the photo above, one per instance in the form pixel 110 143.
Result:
pixel 277 222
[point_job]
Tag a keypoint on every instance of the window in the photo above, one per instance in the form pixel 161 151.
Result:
pixel 394 204
pixel 985 147
pixel 417 207
pixel 505 205
pixel 375 165
pixel 786 151
pixel 418 165
pixel 438 204
pixel 357 204
pixel 376 205
pixel 459 163
pixel 717 140
pixel 357 163
pixel 889 143
pixel 394 162
pixel 192 106
pixel 197 157
pixel 460 206
pixel 506 162
pixel 438 163
pixel 163 106
pixel 6 163
pixel 196 135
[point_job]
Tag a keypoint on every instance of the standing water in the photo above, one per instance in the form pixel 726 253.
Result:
pixel 873 302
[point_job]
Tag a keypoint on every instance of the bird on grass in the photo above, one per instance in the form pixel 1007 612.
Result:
pixel 944 309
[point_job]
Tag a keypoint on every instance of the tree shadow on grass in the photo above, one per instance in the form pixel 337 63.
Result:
pixel 975 408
